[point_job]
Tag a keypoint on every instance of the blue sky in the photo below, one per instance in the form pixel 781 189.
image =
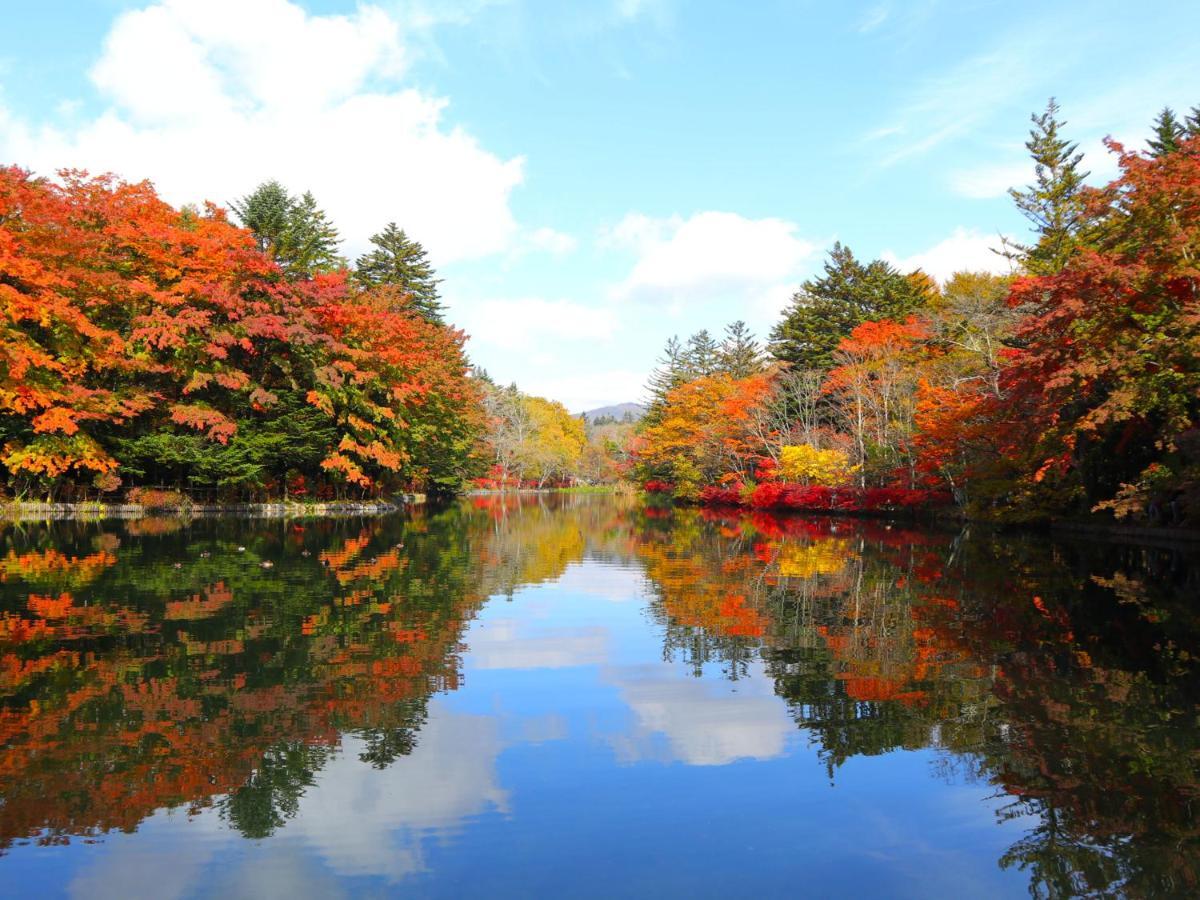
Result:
pixel 591 178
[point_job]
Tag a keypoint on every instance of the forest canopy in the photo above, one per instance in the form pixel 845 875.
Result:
pixel 148 345
pixel 1070 386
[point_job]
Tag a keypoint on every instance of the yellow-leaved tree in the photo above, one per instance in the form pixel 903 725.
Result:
pixel 805 464
pixel 554 444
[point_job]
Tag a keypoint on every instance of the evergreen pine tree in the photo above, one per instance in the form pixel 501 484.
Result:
pixel 828 308
pixel 1054 202
pixel 740 355
pixel 266 212
pixel 1191 123
pixel 311 241
pixel 398 260
pixel 703 354
pixel 1168 132
pixel 296 233
pixel 672 371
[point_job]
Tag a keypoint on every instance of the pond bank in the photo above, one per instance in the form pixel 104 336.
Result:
pixel 1121 531
pixel 25 511
pixel 946 515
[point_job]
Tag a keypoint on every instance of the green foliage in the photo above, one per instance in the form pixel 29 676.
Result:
pixel 1169 132
pixel 740 355
pixel 827 309
pixel 400 261
pixel 1191 122
pixel 702 355
pixel 1054 203
pixel 672 371
pixel 295 232
pixel 292 435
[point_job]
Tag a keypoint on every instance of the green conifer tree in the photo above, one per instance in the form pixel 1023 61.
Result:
pixel 398 260
pixel 1168 132
pixel 1054 202
pixel 703 354
pixel 266 212
pixel 828 308
pixel 311 243
pixel 672 371
pixel 740 355
pixel 295 232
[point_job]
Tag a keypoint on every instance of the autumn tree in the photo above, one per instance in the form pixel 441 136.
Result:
pixel 532 439
pixel 970 321
pixel 806 464
pixel 704 434
pixel 145 343
pixel 556 442
pixel 874 384
pixel 508 428
pixel 738 355
pixel 606 455
pixel 1107 377
pixel 960 391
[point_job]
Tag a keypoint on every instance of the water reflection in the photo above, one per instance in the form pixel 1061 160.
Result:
pixel 361 692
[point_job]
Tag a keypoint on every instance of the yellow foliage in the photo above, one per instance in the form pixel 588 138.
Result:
pixel 805 464
pixel 555 442
pixel 825 557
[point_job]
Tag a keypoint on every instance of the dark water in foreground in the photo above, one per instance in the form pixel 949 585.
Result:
pixel 579 698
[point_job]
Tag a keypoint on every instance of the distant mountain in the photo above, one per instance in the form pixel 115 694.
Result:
pixel 619 411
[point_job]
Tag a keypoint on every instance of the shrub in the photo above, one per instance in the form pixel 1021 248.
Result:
pixel 156 498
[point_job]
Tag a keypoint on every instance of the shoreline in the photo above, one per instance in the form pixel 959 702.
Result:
pixel 23 511
pixel 1119 530
pixel 933 516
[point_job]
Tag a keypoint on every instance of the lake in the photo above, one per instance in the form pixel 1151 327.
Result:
pixel 576 696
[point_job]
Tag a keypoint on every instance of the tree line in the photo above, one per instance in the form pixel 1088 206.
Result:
pixel 1070 385
pixel 148 345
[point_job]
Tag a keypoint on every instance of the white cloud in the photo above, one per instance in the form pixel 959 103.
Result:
pixel 360 821
pixel 707 256
pixel 964 251
pixel 207 98
pixel 526 322
pixel 506 644
pixel 703 722
pixel 129 866
pixel 354 821
pixel 596 578
pixel 551 241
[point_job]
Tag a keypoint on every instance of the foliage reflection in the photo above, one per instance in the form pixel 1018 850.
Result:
pixel 220 664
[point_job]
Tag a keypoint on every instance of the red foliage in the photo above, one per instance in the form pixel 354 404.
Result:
pixel 712 495
pixel 821 498
pixel 122 312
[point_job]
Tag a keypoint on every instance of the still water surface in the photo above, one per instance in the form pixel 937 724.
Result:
pixel 576 697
